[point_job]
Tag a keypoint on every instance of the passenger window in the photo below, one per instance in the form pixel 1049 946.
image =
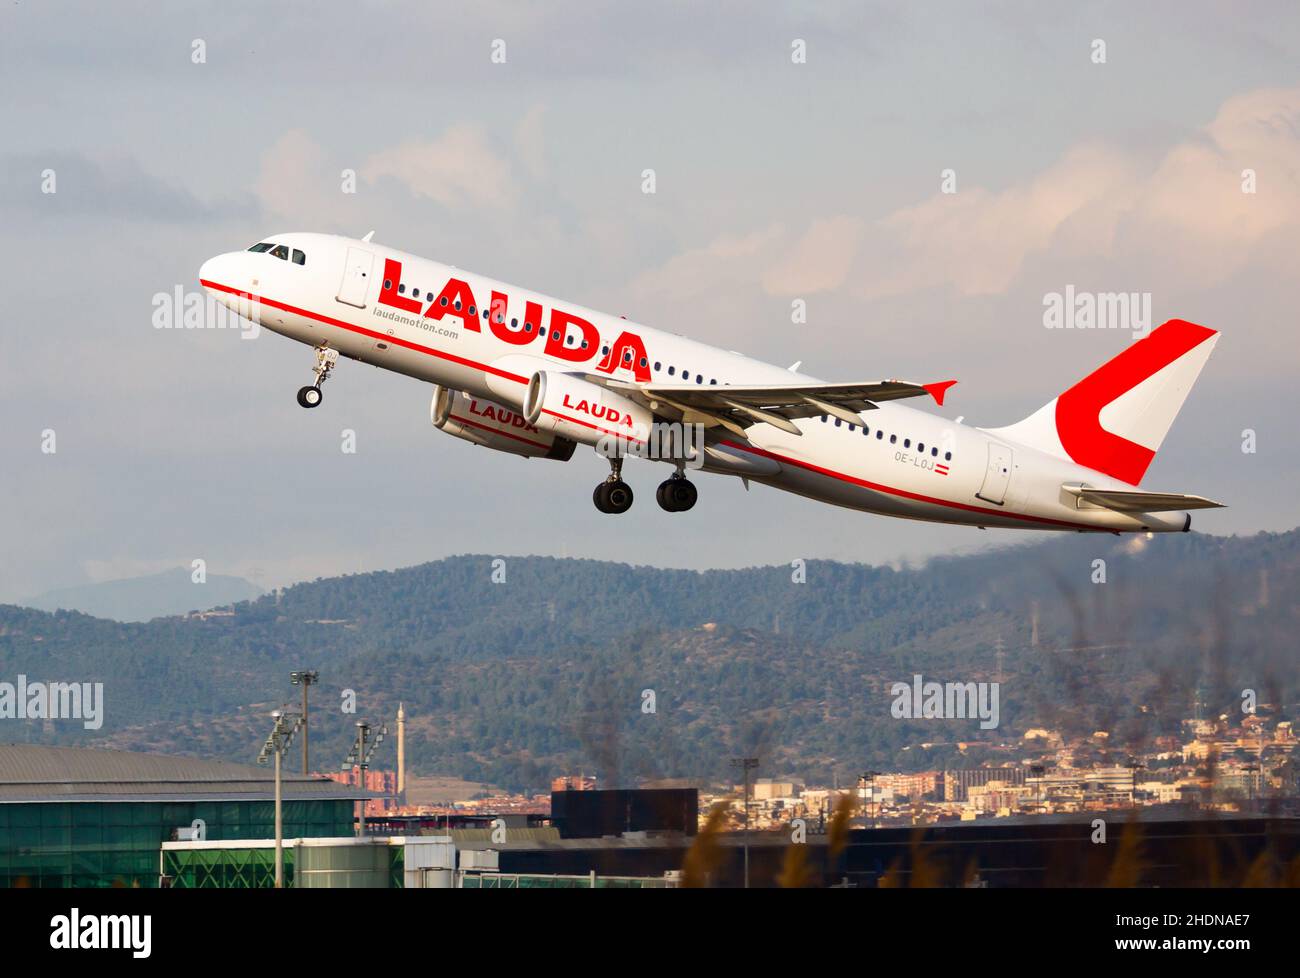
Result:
pixel 893 439
pixel 401 289
pixel 672 371
pixel 907 443
pixel 299 258
pixel 837 422
pixel 934 452
pixel 947 456
pixel 920 447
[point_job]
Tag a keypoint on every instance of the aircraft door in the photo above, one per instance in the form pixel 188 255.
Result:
pixel 997 476
pixel 356 278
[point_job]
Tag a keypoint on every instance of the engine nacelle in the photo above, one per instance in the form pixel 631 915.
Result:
pixel 581 411
pixel 494 425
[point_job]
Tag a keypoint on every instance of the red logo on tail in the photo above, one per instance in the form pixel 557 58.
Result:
pixel 1078 410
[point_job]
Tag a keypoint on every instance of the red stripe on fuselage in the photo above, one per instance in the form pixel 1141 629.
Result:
pixel 361 330
pixel 890 490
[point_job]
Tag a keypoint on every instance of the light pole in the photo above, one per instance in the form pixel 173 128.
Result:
pixel 359 756
pixel 1134 765
pixel 277 742
pixel 746 764
pixel 868 783
pixel 304 678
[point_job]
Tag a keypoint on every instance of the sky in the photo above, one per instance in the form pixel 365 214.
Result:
pixel 176 132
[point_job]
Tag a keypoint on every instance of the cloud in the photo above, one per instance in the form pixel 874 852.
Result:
pixel 118 188
pixel 1187 214
pixel 292 181
pixel 729 258
pixel 458 170
pixel 819 261
pixel 530 141
pixel 1181 213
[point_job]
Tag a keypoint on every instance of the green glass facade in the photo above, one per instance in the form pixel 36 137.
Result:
pixel 235 868
pixel 108 844
pixel 225 869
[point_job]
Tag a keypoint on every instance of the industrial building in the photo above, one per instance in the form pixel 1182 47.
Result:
pixel 72 816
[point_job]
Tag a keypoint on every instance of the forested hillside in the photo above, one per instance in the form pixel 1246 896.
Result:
pixel 545 672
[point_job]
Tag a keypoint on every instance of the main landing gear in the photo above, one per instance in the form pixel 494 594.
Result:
pixel 675 495
pixel 613 495
pixel 326 358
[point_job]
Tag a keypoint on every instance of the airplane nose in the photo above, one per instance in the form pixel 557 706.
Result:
pixel 209 270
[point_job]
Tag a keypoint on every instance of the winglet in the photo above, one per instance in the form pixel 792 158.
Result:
pixel 938 390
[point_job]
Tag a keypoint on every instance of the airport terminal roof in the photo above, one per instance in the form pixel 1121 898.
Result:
pixel 36 773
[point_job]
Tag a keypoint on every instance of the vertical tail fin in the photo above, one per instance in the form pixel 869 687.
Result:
pixel 1115 419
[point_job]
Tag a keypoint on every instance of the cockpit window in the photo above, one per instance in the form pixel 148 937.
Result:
pixel 299 258
pixel 280 251
pixel 264 246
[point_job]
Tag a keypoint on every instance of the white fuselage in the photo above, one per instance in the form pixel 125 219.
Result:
pixel 900 462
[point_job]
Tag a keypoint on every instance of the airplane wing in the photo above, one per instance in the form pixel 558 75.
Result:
pixel 1138 501
pixel 736 407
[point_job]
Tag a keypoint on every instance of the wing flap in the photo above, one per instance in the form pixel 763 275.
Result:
pixel 747 404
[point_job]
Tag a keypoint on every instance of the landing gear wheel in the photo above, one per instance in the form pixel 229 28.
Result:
pixel 676 495
pixel 326 359
pixel 613 497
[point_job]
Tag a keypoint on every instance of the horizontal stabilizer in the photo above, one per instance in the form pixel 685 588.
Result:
pixel 1137 501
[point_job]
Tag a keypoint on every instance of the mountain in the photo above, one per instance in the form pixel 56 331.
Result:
pixel 550 666
pixel 172 592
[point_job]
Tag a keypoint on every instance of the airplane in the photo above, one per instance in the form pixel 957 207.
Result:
pixel 535 376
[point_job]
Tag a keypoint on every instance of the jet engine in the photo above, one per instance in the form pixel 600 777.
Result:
pixel 494 425
pixel 581 411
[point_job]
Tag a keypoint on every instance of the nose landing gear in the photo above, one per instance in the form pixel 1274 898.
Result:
pixel 326 358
